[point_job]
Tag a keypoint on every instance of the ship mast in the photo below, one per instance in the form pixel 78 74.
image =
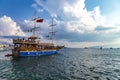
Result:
pixel 34 29
pixel 36 20
pixel 52 31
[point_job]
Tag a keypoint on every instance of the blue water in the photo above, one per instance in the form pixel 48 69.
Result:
pixel 68 64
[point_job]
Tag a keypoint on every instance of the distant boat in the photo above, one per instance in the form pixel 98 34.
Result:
pixel 85 47
pixel 101 48
pixel 33 46
pixel 111 48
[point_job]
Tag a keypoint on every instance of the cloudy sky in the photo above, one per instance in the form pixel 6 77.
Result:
pixel 79 23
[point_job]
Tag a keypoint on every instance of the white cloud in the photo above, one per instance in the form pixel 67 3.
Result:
pixel 28 23
pixel 9 28
pixel 75 9
pixel 74 13
pixel 113 17
pixel 50 6
pixel 77 20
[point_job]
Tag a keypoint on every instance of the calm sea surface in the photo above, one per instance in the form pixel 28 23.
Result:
pixel 68 64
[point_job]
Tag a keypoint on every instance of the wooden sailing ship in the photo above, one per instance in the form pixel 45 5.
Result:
pixel 32 46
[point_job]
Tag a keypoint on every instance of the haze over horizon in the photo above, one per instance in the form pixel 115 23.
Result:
pixel 80 23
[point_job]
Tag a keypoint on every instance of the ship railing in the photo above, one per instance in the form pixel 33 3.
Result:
pixel 46 44
pixel 24 41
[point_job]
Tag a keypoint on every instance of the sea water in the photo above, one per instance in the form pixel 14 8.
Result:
pixel 68 64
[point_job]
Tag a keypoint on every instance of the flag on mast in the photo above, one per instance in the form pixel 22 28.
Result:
pixel 38 20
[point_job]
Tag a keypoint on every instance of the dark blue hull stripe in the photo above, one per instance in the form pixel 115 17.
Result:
pixel 37 53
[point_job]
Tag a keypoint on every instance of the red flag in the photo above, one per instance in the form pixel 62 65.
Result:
pixel 39 20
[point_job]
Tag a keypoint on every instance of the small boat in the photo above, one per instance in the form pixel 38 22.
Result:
pixel 101 48
pixel 33 46
pixel 85 47
pixel 111 48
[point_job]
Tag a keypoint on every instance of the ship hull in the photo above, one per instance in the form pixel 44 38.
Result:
pixel 37 53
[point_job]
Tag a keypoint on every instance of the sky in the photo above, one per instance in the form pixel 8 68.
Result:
pixel 79 23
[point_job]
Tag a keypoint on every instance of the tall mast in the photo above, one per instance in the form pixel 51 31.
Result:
pixel 34 19
pixel 52 31
pixel 34 29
